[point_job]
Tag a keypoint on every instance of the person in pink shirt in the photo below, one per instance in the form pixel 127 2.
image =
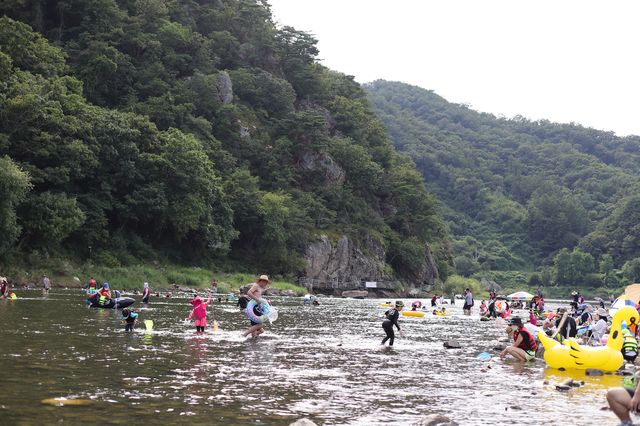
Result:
pixel 199 312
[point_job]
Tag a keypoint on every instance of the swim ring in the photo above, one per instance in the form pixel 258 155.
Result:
pixel 261 313
pixel 500 306
pixel 413 314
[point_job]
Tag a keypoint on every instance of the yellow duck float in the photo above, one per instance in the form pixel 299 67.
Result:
pixel 571 355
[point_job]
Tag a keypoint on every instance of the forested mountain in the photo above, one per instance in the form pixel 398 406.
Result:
pixel 515 192
pixel 195 132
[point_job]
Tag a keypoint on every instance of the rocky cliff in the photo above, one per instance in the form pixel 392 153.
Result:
pixel 346 264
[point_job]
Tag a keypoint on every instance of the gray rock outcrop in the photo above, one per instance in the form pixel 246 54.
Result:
pixel 225 88
pixel 343 265
pixel 489 285
pixel 333 174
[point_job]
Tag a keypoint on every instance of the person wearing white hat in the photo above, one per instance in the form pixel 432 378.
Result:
pixel 599 328
pixel 255 293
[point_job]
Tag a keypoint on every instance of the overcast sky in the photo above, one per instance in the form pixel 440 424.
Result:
pixel 562 60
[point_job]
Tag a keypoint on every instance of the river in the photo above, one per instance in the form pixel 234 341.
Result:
pixel 323 362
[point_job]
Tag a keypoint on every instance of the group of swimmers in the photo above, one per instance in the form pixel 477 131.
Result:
pixel 101 297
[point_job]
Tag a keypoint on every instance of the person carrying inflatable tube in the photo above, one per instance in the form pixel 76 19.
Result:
pixel 255 294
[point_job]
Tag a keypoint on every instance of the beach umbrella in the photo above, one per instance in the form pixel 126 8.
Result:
pixel 520 295
pixel 620 303
pixel 633 292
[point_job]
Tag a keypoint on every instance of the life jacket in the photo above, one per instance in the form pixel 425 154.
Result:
pixel 629 345
pixel 102 300
pixel 528 342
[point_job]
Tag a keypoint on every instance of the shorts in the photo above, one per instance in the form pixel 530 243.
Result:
pixel 128 326
pixel 201 322
pixel 254 323
pixel 630 391
pixel 529 355
pixel 466 307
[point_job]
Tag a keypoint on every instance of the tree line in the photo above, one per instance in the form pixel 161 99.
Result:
pixel 193 132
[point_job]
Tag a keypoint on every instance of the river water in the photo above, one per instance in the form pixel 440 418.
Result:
pixel 323 362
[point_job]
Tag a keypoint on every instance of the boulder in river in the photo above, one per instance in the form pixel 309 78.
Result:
pixel 436 420
pixel 357 294
pixel 452 344
pixel 593 372
pixel 303 422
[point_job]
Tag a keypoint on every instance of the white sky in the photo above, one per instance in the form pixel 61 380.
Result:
pixel 562 60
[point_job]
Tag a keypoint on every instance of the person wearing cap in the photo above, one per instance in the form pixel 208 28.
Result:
pixel 599 328
pixel 524 345
pixel 146 293
pixel 585 317
pixel 255 293
pixel 391 316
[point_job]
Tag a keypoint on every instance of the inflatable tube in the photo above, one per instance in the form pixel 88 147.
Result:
pixel 485 319
pixel 12 296
pixel 385 305
pixel 261 314
pixel 500 306
pixel 506 314
pixel 118 303
pixel 573 356
pixel 413 314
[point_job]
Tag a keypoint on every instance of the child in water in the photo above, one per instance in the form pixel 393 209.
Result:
pixel 129 318
pixel 391 320
pixel 199 311
pixel 255 293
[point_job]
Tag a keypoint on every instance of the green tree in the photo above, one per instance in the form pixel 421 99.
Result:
pixel 14 185
pixel 631 270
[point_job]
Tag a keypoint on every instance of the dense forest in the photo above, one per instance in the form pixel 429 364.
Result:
pixel 521 195
pixel 195 132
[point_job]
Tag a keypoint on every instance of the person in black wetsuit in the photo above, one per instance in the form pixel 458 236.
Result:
pixel 391 320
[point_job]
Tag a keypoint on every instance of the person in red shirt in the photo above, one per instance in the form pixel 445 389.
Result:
pixel 524 345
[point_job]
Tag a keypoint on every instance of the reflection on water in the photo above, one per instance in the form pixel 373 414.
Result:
pixel 323 362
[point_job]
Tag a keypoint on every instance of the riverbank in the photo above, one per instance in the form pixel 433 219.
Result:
pixel 64 274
